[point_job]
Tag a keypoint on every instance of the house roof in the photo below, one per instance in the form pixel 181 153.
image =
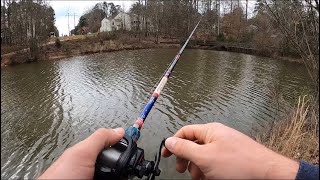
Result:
pixel 112 17
pixel 107 18
pixel 119 13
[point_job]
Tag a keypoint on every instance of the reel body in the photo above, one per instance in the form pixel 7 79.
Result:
pixel 124 160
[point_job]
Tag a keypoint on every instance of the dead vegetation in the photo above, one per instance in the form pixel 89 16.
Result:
pixel 297 136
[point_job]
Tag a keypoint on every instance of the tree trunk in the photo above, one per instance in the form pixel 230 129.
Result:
pixel 231 5
pixel 218 13
pixel 246 10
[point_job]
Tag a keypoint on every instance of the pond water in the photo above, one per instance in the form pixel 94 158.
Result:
pixel 50 105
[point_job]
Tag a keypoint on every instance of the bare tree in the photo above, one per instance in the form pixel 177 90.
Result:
pixel 299 23
pixel 24 27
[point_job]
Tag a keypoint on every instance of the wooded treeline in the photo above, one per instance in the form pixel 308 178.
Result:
pixel 222 20
pixel 26 23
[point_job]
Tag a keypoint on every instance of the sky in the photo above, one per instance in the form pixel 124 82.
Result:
pixel 76 8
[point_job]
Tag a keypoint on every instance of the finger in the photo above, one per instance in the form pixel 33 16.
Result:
pixel 100 139
pixel 183 148
pixel 181 164
pixel 195 132
pixel 165 152
pixel 195 171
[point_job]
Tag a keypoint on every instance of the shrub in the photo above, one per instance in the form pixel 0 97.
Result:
pixel 297 136
pixel 105 36
pixel 57 43
pixel 220 37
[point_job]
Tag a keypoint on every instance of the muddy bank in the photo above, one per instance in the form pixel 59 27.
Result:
pixel 19 57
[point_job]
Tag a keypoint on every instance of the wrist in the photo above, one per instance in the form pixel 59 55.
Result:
pixel 281 167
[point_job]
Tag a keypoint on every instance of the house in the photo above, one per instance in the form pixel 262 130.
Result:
pixel 120 21
pixel 251 28
pixel 124 21
pixel 106 24
pixel 52 34
pixel 136 22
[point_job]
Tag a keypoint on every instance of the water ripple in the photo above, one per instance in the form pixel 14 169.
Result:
pixel 47 107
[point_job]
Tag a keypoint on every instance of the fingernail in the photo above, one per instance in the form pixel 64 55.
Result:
pixel 170 143
pixel 119 130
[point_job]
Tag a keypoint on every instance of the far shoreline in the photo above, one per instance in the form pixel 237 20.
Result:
pixel 78 47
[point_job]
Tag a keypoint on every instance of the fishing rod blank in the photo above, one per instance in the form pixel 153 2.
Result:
pixel 134 130
pixel 125 159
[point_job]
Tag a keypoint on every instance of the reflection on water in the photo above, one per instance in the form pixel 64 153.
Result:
pixel 49 106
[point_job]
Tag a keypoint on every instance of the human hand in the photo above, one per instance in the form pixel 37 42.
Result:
pixel 215 151
pixel 78 161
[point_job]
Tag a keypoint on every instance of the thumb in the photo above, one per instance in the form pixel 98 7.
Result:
pixel 101 139
pixel 183 148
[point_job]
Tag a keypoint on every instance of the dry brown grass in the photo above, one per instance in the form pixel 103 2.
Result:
pixel 297 136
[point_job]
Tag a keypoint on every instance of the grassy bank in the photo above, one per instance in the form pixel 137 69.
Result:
pixel 256 52
pixel 80 45
pixel 298 134
pixel 63 47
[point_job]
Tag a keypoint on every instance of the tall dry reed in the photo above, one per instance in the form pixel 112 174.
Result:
pixel 297 136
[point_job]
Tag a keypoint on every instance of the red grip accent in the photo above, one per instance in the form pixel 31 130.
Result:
pixel 139 122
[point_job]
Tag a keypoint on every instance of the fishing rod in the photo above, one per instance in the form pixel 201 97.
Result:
pixel 125 160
